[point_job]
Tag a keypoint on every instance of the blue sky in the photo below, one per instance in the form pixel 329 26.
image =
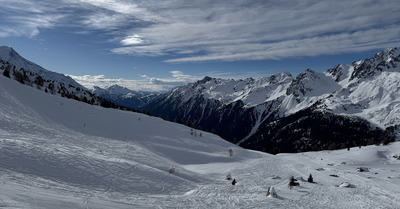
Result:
pixel 154 45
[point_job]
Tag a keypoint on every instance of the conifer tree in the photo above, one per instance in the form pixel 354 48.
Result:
pixel 310 179
pixel 6 73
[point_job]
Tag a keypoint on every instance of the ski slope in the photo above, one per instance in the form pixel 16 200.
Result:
pixel 60 153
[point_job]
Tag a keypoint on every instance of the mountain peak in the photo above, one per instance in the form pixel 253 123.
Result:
pixel 9 55
pixel 387 59
pixel 119 90
pixel 7 52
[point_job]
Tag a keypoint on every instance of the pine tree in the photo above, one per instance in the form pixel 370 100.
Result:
pixel 6 73
pixel 293 182
pixel 234 182
pixel 310 179
pixel 18 77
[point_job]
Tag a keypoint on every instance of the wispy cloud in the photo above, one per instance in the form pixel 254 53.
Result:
pixel 269 30
pixel 145 84
pixel 194 31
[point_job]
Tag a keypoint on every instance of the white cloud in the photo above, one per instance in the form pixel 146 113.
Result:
pixel 208 30
pixel 234 31
pixel 132 40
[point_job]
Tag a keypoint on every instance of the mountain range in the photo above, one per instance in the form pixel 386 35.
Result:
pixel 345 106
pixel 60 153
pixel 124 97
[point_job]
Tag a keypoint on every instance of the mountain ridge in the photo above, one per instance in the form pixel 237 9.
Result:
pixel 123 96
pixel 8 54
pixel 365 89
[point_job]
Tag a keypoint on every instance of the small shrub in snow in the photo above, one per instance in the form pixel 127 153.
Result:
pixel 386 141
pixel 171 170
pixel 310 179
pixel 361 169
pixel 234 182
pixel 228 177
pixel 293 182
pixel 230 152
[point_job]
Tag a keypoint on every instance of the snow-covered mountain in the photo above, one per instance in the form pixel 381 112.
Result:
pixel 14 66
pixel 8 54
pixel 61 153
pixel 124 97
pixel 360 100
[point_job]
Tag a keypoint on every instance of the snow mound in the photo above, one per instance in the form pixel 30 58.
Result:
pixel 344 184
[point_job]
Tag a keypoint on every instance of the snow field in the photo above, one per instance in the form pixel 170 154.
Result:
pixel 60 153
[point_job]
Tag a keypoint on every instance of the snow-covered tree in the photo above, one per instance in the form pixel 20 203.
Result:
pixel 271 192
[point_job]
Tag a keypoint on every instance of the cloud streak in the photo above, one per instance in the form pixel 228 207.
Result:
pixel 200 31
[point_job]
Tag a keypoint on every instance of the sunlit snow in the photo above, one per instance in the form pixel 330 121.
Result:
pixel 60 153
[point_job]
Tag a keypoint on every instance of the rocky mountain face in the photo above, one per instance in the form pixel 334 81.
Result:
pixel 125 97
pixel 348 105
pixel 14 66
pixel 9 55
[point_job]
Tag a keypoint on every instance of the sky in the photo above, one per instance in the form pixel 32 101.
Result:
pixel 153 45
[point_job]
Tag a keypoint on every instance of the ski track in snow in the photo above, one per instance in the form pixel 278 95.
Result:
pixel 59 153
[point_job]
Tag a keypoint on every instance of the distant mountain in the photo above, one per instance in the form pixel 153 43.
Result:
pixel 124 97
pixel 348 105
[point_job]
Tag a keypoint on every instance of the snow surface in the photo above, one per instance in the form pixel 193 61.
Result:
pixel 60 153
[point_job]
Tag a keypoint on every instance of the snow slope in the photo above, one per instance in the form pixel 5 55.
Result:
pixel 9 55
pixel 60 153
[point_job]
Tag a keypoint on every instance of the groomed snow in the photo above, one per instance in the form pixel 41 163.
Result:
pixel 60 153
